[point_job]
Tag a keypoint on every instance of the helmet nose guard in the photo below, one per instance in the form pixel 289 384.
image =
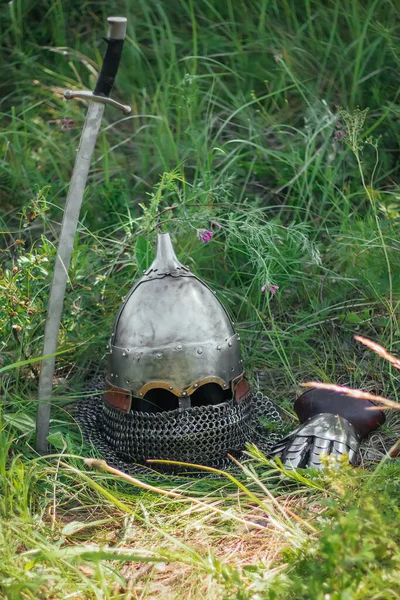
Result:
pixel 171 333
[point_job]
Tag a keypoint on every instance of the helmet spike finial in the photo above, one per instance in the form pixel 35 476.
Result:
pixel 166 260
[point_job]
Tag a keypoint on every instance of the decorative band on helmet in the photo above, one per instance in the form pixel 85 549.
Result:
pixel 121 399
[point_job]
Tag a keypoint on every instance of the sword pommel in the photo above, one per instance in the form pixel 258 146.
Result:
pixel 116 28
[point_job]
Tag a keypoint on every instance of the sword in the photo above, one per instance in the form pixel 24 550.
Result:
pixel 98 99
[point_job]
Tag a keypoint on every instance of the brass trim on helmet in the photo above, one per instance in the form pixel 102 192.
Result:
pixel 121 399
pixel 188 391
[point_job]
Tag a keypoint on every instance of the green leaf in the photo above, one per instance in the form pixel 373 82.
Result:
pixel 353 317
pixel 22 363
pixel 24 423
pixel 57 440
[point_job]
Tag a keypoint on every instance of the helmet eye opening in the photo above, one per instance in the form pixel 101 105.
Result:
pixel 161 400
pixel 210 394
pixel 156 400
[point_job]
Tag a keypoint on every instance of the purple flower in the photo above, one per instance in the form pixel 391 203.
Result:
pixel 339 134
pixel 339 125
pixel 270 288
pixel 204 235
pixel 67 124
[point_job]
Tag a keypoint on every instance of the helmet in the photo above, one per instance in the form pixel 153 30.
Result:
pixel 175 387
pixel 173 344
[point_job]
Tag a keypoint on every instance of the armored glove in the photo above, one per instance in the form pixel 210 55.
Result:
pixel 320 435
pixel 332 423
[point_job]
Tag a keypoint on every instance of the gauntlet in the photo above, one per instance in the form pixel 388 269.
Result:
pixel 332 424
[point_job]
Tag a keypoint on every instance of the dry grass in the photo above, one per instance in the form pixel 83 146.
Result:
pixel 199 539
pixel 237 547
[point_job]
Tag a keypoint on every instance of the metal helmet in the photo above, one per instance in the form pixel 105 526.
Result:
pixel 173 335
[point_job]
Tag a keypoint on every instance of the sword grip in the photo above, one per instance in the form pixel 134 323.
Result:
pixel 112 57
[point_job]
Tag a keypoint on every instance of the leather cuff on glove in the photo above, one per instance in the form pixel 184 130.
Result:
pixel 315 401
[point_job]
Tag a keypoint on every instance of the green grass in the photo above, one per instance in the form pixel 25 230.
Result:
pixel 235 106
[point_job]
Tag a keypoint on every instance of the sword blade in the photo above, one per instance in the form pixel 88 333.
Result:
pixel 60 276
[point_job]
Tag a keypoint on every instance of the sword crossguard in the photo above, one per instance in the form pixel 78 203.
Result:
pixel 84 95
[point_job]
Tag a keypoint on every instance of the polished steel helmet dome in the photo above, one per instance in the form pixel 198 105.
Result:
pixel 171 333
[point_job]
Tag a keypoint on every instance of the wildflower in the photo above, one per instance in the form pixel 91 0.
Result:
pixel 270 288
pixel 339 134
pixel 67 124
pixel 204 235
pixel 339 125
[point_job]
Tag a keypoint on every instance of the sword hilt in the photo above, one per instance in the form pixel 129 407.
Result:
pixel 105 81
